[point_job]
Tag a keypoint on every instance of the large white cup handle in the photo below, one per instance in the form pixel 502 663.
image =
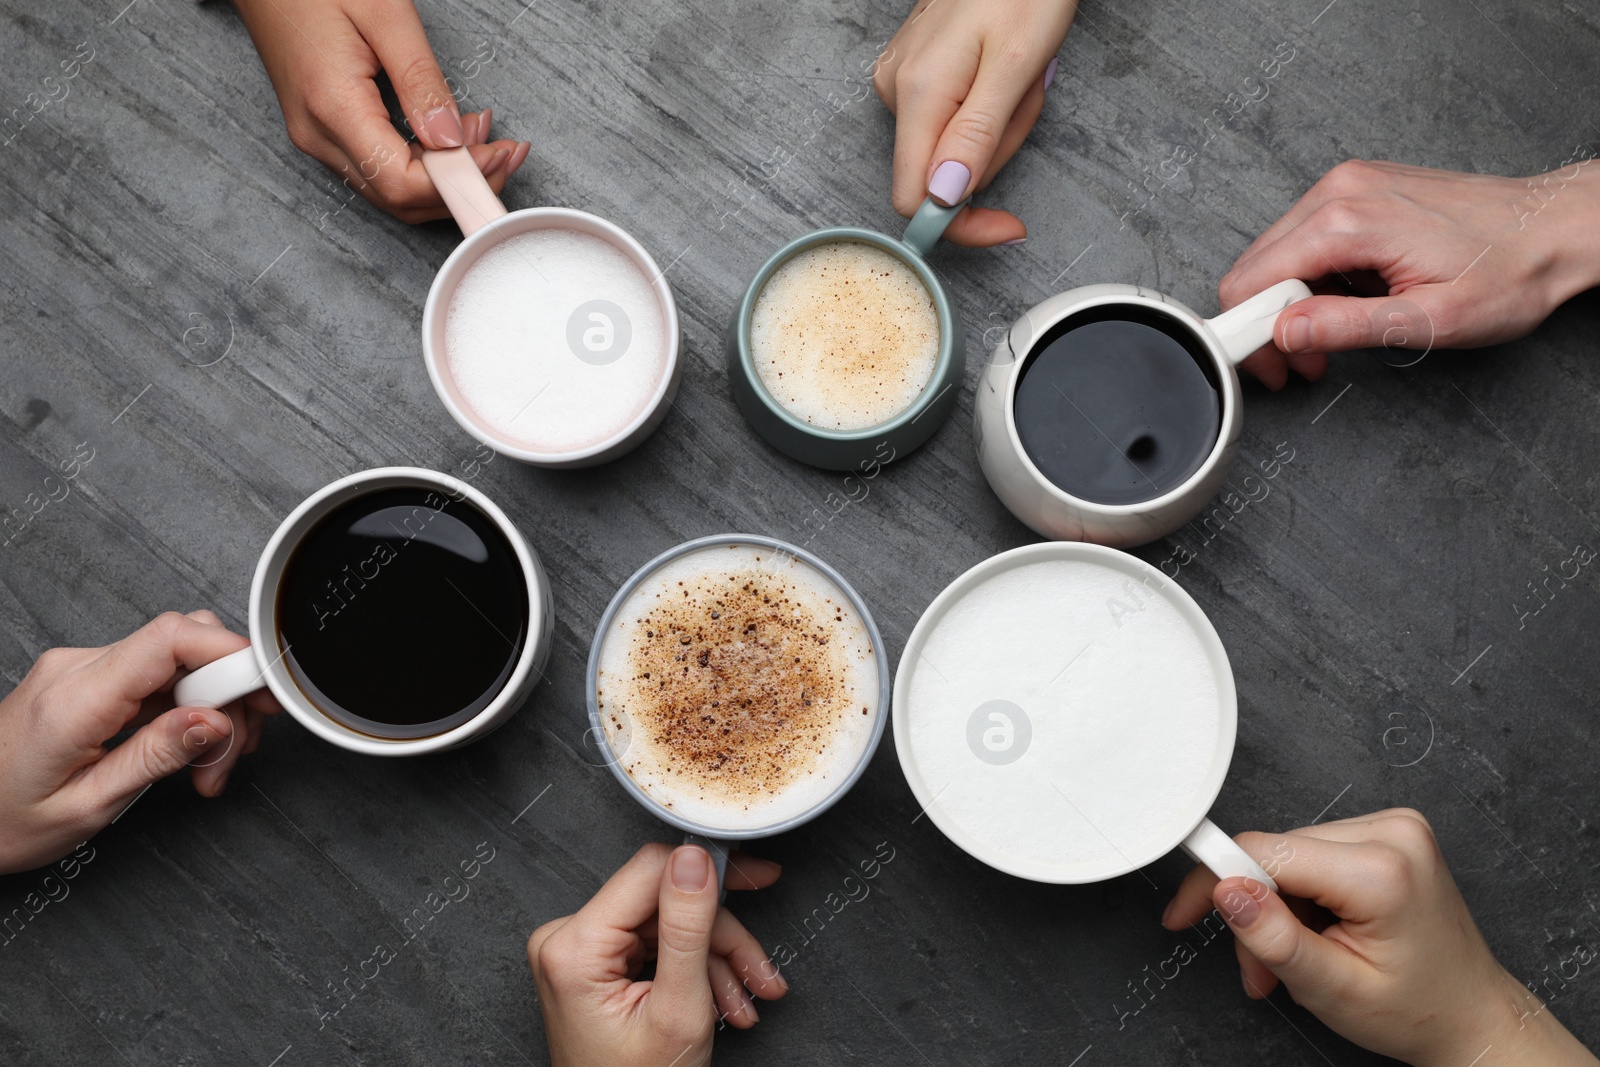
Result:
pixel 1213 848
pixel 1247 327
pixel 221 681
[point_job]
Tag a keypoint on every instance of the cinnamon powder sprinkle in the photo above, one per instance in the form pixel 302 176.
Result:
pixel 738 683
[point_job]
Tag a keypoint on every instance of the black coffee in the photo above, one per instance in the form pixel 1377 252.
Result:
pixel 402 613
pixel 1118 405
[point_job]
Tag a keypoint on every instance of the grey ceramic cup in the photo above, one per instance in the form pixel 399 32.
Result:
pixel 855 449
pixel 718 840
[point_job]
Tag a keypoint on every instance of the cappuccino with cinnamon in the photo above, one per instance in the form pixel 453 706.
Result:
pixel 738 687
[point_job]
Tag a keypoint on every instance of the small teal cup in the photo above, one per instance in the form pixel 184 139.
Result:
pixel 855 450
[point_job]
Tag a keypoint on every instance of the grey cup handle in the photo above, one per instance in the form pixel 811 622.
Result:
pixel 719 857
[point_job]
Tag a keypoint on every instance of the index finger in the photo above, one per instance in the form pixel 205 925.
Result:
pixel 927 101
pixel 1334 874
pixel 147 661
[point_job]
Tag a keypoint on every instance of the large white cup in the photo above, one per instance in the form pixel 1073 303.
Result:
pixel 1052 511
pixel 1052 705
pixel 261 665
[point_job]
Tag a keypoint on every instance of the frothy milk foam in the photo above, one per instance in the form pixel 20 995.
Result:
pixel 738 687
pixel 845 336
pixel 1125 718
pixel 507 339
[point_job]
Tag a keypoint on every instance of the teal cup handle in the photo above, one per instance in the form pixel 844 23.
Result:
pixel 929 224
pixel 859 451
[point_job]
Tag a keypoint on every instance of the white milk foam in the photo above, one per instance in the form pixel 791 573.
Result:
pixel 1122 739
pixel 845 336
pixel 818 753
pixel 507 340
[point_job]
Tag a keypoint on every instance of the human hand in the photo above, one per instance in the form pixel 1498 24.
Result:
pixel 661 905
pixel 1375 940
pixel 1435 259
pixel 58 783
pixel 965 80
pixel 323 57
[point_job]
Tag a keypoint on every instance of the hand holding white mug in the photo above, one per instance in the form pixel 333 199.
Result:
pixel 323 57
pixel 1434 259
pixel 1374 938
pixel 661 905
pixel 59 785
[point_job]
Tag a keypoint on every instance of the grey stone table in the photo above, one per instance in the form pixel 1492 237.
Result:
pixel 190 298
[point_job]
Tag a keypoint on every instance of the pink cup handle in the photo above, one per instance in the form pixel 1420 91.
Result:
pixel 465 190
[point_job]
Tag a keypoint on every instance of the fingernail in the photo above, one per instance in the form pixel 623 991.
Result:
pixel 1243 907
pixel 1166 912
pixel 222 783
pixel 750 1006
pixel 485 117
pixel 1297 334
pixel 691 868
pixel 1050 71
pixel 444 127
pixel 1014 241
pixel 196 737
pixel 783 983
pixel 518 154
pixel 496 161
pixel 949 182
pixel 1249 990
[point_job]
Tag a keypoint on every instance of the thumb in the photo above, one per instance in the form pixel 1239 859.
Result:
pixel 1313 967
pixel 163 746
pixel 430 107
pixel 1341 323
pixel 681 995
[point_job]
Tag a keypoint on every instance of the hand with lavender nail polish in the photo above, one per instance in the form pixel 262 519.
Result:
pixel 324 58
pixel 662 907
pixel 966 80
pixel 59 785
pixel 1373 937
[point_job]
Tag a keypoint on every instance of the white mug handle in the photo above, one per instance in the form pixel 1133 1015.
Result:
pixel 1208 845
pixel 221 681
pixel 1247 327
pixel 463 188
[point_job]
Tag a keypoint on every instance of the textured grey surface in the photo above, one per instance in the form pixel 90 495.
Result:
pixel 1370 604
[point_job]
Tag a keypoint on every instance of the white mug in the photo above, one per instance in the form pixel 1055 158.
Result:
pixel 261 665
pixel 1052 511
pixel 485 222
pixel 1023 677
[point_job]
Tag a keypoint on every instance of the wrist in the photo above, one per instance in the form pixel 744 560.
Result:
pixel 1511 1027
pixel 1563 208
